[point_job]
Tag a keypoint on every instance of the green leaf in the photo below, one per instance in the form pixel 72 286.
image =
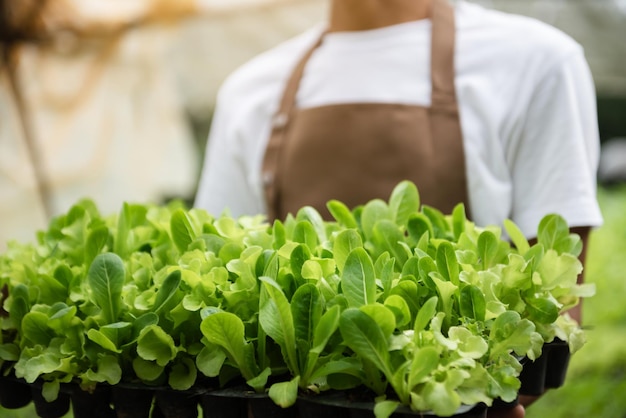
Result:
pixel 130 217
pixel 210 360
pixel 306 309
pixel 446 291
pixel 403 202
pixel 363 335
pixel 96 241
pixel 459 220
pixel 147 370
pixel 447 263
pixel 426 267
pixel 374 211
pixel 167 289
pixel 408 290
pixel 425 314
pixel 20 305
pixel 384 409
pixel 108 370
pixel 183 374
pixel 400 308
pixel 384 268
pixel 284 394
pixel 311 216
pixel 299 256
pixel 517 236
pixel 102 340
pixel 387 235
pixel 346 241
pixel 358 281
pixel 50 390
pixel 383 316
pixel 552 232
pixel 258 382
pixel 510 332
pixel 278 232
pixel 155 344
pixel 145 320
pixel 327 325
pixel 542 310
pixel 277 321
pixel 226 330
pixel 341 213
pixel 312 270
pixel 473 303
pixel 35 328
pixel 419 224
pixel 441 228
pixel 106 277
pixel 469 345
pixel 441 394
pixel 30 367
pixel 488 248
pixel 559 270
pixel 305 233
pixel 9 352
pixel 351 366
pixel 183 233
pixel 425 360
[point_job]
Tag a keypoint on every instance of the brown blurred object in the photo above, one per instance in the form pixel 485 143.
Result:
pixel 88 110
pixel 23 22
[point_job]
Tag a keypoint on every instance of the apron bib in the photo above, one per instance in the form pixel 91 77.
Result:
pixel 360 151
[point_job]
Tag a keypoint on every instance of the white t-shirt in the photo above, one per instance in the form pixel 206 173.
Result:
pixel 526 99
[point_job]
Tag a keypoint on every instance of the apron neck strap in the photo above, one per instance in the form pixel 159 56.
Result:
pixel 442 55
pixel 288 100
pixel 442 62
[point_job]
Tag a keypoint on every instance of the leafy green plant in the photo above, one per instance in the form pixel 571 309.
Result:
pixel 424 309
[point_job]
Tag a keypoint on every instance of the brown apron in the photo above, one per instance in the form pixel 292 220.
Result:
pixel 358 152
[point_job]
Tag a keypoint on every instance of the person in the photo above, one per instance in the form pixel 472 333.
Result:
pixel 474 105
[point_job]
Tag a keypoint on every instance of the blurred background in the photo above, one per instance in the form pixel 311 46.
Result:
pixel 112 100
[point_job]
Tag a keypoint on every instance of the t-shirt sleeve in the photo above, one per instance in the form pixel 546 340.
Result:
pixel 555 167
pixel 224 184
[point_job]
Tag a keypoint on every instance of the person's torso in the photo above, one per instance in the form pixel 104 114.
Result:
pixel 498 65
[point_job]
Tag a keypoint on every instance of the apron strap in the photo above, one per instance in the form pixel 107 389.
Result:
pixel 279 128
pixel 443 96
pixel 444 112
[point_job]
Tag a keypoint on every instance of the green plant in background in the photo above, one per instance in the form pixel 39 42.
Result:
pixel 424 309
